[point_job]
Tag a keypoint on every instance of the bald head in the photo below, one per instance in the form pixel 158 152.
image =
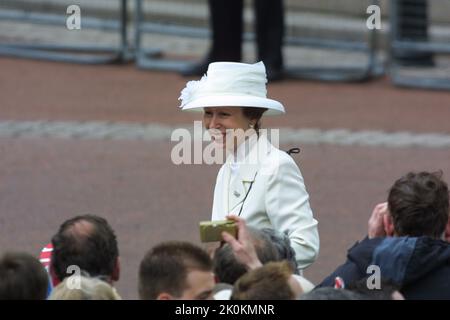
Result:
pixel 87 242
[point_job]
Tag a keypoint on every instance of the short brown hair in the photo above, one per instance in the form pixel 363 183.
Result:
pixel 269 282
pixel 419 204
pixel 166 266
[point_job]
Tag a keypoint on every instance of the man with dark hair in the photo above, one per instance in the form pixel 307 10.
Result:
pixel 22 277
pixel 89 243
pixel 418 204
pixel 405 240
pixel 176 270
pixel 228 269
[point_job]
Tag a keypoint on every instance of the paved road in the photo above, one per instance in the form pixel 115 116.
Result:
pixel 47 178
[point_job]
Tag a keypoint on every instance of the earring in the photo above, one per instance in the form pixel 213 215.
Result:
pixel 251 125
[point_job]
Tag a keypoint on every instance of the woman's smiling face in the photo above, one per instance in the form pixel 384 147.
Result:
pixel 221 120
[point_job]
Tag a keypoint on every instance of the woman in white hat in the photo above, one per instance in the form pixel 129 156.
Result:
pixel 257 182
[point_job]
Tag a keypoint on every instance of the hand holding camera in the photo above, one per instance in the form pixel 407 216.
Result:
pixel 236 235
pixel 211 231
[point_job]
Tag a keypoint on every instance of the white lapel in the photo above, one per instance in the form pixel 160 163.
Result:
pixel 247 172
pixel 236 192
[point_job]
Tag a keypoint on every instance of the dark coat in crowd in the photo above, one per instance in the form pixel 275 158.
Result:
pixel 419 266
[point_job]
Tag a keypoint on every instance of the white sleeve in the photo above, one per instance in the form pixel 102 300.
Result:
pixel 287 205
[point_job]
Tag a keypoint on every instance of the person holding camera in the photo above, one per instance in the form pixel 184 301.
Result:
pixel 257 181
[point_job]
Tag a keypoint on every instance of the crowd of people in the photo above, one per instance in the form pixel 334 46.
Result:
pixel 405 255
pixel 407 238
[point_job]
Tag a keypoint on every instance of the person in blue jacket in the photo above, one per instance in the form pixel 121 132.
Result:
pixel 408 240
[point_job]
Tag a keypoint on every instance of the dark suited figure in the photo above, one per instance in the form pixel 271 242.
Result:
pixel 227 29
pixel 413 26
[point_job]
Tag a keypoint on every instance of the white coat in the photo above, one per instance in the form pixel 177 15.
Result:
pixel 277 198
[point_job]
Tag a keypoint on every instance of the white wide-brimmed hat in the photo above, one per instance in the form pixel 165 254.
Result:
pixel 230 84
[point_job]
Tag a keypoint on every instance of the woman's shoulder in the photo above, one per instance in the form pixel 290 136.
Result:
pixel 278 162
pixel 269 152
pixel 280 157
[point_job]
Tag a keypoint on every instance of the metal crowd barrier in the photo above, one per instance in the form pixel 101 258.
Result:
pixel 77 53
pixel 151 58
pixel 417 58
pixel 367 47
